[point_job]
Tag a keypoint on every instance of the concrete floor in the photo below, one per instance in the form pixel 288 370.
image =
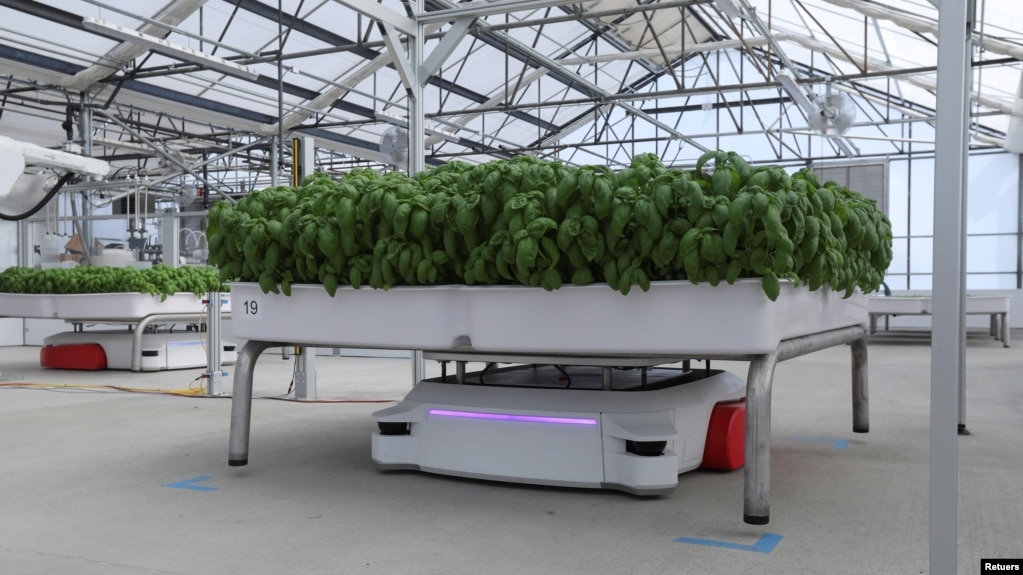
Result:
pixel 86 481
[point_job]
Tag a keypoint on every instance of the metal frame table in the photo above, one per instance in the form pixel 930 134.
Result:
pixel 756 499
pixel 996 306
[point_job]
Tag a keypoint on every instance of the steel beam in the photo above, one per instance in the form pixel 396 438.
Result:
pixel 575 16
pixel 332 39
pixel 400 57
pixel 383 14
pixel 443 50
pixel 487 8
pixel 576 81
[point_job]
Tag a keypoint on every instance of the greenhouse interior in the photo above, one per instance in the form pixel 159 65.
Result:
pixel 505 286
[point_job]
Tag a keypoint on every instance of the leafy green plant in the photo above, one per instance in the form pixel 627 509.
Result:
pixel 159 280
pixel 539 223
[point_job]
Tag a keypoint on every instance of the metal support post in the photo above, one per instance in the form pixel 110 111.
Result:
pixel 416 113
pixel 416 137
pixel 170 233
pixel 274 162
pixel 303 159
pixel 860 406
pixel 948 340
pixel 85 132
pixel 1005 327
pixel 241 401
pixel 214 346
pixel 757 488
pixel 418 367
pixel 24 244
pixel 961 399
pixel 305 375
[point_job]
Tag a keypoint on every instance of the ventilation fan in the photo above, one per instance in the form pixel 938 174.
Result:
pixel 833 113
pixel 394 145
pixel 185 195
pixel 830 115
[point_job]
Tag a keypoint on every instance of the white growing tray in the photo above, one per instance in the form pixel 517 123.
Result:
pixel 124 305
pixel 112 306
pixel 426 318
pixel 897 305
pixel 923 304
pixel 673 318
pixel 988 303
pixel 27 305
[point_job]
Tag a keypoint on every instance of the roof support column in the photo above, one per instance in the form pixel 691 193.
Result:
pixel 417 138
pixel 410 68
pixel 955 25
pixel 416 114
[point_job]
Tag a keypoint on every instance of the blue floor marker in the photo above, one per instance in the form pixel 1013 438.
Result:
pixel 191 484
pixel 766 543
pixel 836 443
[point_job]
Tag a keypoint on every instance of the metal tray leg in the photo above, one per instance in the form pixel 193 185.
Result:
pixel 241 400
pixel 1005 327
pixel 756 502
pixel 860 405
pixel 757 489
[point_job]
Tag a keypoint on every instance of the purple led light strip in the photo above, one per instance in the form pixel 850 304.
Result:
pixel 512 417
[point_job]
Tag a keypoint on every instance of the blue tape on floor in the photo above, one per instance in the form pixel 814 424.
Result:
pixel 191 484
pixel 836 443
pixel 766 543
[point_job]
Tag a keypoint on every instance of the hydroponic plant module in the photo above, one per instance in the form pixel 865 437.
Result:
pixel 98 292
pixel 530 255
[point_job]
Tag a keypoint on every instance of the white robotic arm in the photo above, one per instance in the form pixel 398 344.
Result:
pixel 16 156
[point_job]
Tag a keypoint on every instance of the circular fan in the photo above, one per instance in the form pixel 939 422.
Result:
pixel 394 145
pixel 186 195
pixel 833 114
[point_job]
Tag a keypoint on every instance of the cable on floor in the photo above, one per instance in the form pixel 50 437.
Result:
pixel 198 392
pixel 190 391
pixel 295 400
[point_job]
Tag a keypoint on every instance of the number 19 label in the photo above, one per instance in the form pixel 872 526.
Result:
pixel 252 308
